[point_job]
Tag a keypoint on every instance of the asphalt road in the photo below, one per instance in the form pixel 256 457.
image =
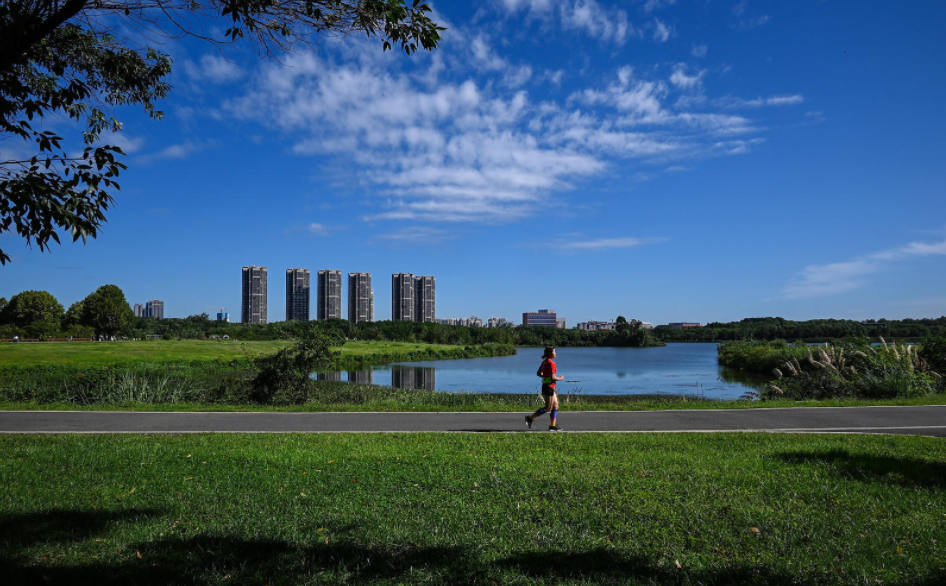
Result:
pixel 924 420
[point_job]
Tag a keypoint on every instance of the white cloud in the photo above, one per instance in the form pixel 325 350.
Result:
pixel 605 24
pixel 317 229
pixel 680 79
pixel 785 100
pixel 609 243
pixel 177 151
pixel 661 31
pixel 128 144
pixel 590 17
pixel 652 5
pixel 830 279
pixel 418 234
pixel 212 68
pixel 821 280
pixel 751 23
pixel 476 148
pixel 699 50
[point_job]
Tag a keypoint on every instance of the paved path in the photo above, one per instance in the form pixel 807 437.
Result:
pixel 925 420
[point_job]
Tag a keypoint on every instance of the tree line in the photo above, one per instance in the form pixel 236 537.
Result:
pixel 38 315
pixel 777 328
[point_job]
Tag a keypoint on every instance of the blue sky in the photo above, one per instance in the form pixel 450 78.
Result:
pixel 663 160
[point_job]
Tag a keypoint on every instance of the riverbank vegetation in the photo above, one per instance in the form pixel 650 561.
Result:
pixel 816 330
pixel 265 379
pixel 473 509
pixel 105 312
pixel 850 369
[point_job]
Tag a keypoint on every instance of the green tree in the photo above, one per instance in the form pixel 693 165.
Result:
pixel 62 58
pixel 3 305
pixel 620 320
pixel 106 311
pixel 73 314
pixel 37 313
pixel 286 376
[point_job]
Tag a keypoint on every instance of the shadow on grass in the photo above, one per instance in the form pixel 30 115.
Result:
pixel 868 468
pixel 227 559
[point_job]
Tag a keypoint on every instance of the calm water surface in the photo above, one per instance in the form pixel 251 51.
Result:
pixel 675 369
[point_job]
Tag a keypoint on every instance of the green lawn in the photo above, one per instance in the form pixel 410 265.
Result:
pixel 473 509
pixel 105 353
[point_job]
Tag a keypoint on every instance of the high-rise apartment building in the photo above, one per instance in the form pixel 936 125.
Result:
pixel 154 309
pixel 330 294
pixel 297 294
pixel 402 297
pixel 425 298
pixel 253 309
pixel 360 298
pixel 139 310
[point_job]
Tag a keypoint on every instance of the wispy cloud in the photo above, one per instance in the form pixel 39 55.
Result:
pixel 177 151
pixel 212 69
pixel 699 50
pixel 418 234
pixel 609 25
pixel 652 5
pixel 609 243
pixel 477 148
pixel 732 102
pixel 662 32
pixel 834 278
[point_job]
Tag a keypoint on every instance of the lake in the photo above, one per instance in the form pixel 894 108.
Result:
pixel 678 368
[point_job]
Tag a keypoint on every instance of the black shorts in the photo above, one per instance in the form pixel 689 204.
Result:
pixel 548 390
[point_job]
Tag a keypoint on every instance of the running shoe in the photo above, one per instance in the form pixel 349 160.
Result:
pixel 554 428
pixel 528 422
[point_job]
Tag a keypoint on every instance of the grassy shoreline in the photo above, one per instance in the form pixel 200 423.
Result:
pixel 473 509
pixel 362 398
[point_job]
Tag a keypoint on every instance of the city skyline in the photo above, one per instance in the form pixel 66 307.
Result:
pixel 666 160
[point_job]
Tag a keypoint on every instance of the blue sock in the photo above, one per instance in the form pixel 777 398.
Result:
pixel 538 413
pixel 554 416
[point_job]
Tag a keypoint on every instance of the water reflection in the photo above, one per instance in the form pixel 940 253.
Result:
pixel 361 377
pixel 674 369
pixel 413 377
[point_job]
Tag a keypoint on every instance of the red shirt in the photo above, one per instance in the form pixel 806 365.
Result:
pixel 548 370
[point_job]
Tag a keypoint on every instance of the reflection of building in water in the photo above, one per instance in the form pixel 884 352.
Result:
pixel 330 376
pixel 361 377
pixel 413 377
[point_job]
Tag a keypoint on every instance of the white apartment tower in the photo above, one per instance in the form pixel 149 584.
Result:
pixel 330 294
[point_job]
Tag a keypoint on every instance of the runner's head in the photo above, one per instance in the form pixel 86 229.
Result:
pixel 549 352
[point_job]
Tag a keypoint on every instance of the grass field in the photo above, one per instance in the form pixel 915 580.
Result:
pixel 105 353
pixel 473 509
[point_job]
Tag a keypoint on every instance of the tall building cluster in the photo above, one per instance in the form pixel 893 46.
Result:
pixel 413 298
pixel 153 309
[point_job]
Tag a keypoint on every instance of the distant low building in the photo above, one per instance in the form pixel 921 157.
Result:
pixel 684 324
pixel 543 317
pixel 460 321
pixel 498 322
pixel 595 326
pixel 647 325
